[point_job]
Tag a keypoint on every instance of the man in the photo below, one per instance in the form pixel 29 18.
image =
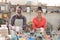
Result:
pixel 18 16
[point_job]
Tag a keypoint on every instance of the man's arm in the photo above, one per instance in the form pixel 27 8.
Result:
pixel 24 22
pixel 12 20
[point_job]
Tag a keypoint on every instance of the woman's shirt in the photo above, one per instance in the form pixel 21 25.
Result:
pixel 39 24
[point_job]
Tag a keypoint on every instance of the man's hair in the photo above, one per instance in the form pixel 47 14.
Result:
pixel 20 7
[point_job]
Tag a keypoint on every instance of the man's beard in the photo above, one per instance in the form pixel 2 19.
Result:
pixel 19 12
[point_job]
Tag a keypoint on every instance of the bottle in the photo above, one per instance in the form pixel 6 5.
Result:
pixel 59 37
pixel 14 37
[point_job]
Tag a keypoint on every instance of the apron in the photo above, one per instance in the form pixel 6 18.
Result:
pixel 18 24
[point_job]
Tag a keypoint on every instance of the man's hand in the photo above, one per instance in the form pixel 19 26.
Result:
pixel 13 28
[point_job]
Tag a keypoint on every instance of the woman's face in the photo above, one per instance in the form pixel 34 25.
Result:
pixel 39 12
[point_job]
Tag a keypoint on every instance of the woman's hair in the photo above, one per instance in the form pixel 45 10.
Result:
pixel 39 8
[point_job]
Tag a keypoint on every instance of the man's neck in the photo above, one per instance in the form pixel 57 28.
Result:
pixel 19 15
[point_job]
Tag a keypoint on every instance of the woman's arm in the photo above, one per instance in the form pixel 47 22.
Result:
pixel 33 24
pixel 44 24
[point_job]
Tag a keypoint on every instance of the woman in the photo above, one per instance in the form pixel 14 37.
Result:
pixel 39 21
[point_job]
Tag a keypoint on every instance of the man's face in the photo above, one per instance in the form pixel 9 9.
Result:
pixel 19 10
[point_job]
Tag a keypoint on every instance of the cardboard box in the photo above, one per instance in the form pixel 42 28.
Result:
pixel 3 31
pixel 2 38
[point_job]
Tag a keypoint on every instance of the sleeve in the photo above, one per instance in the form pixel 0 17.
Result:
pixel 44 24
pixel 24 22
pixel 12 20
pixel 33 24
